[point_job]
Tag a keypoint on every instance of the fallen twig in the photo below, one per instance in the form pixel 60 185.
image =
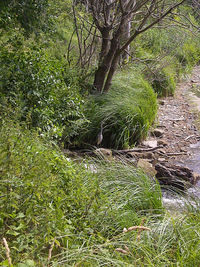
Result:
pixel 176 153
pixel 50 251
pixel 143 228
pixel 189 137
pixel 7 251
pixel 136 150
pixel 123 251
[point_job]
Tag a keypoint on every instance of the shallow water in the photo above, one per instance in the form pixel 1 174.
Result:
pixel 194 162
pixel 172 201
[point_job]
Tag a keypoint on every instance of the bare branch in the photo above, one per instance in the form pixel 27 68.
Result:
pixel 137 32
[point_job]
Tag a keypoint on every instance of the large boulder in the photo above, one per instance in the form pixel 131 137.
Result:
pixel 147 167
pixel 174 175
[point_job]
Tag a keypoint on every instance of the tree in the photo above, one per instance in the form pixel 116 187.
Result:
pixel 119 22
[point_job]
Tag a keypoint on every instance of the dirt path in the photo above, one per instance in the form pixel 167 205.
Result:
pixel 177 117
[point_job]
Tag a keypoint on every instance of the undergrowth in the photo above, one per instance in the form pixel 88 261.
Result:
pixel 56 212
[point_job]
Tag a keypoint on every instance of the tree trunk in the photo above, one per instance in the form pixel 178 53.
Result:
pixel 100 76
pixel 127 34
pixel 105 46
pixel 112 70
pixel 104 67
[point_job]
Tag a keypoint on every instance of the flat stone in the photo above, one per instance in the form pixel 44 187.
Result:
pixel 147 167
pixel 161 159
pixel 150 143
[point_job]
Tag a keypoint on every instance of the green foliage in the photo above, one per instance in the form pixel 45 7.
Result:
pixel 164 75
pixel 42 193
pixel 58 41
pixel 33 177
pixel 166 53
pixel 28 14
pixel 45 90
pixel 164 83
pixel 47 198
pixel 126 111
pixel 161 40
pixel 78 210
pixel 189 54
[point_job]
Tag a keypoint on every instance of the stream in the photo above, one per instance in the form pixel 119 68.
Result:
pixel 173 201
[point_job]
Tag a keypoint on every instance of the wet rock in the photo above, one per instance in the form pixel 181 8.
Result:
pixel 146 166
pixel 174 175
pixel 158 132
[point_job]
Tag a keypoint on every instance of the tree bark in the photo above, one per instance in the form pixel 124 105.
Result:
pixel 105 43
pixel 127 34
pixel 100 76
pixel 104 67
pixel 109 60
pixel 111 72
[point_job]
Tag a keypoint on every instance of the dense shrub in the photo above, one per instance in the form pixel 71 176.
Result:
pixel 189 53
pixel 163 75
pixel 45 91
pixel 165 55
pixel 30 15
pixel 42 195
pixel 46 197
pixel 126 111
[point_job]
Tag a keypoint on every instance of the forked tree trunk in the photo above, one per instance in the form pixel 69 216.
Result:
pixel 111 72
pixel 104 67
pixel 100 76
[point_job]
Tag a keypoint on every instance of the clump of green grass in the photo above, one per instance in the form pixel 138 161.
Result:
pixel 128 192
pixel 169 241
pixel 126 111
